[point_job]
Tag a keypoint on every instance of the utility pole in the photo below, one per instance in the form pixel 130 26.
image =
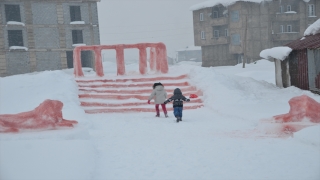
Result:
pixel 245 45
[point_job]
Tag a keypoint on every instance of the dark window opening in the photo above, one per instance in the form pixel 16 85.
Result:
pixel 15 38
pixel 12 13
pixel 75 13
pixel 77 37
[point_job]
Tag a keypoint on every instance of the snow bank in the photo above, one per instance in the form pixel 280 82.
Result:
pixel 225 3
pixel 310 135
pixel 18 47
pixel 77 22
pixel 313 29
pixel 277 52
pixel 15 23
pixel 190 48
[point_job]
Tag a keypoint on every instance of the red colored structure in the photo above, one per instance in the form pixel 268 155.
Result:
pixel 47 115
pixel 301 107
pixel 158 57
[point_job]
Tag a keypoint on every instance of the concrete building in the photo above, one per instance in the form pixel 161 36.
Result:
pixel 38 35
pixel 229 34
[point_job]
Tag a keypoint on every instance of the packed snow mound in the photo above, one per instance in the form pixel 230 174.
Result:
pixel 225 3
pixel 310 135
pixel 313 29
pixel 277 52
pixel 48 115
pixel 301 108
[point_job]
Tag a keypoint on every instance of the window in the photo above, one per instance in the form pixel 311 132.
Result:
pixel 281 9
pixel 201 16
pixel 311 10
pixel 12 12
pixel 215 14
pixel 15 38
pixel 216 33
pixel 75 13
pixel 235 39
pixel 226 32
pixel 203 35
pixel 77 37
pixel 281 29
pixel 288 8
pixel 235 16
pixel 289 28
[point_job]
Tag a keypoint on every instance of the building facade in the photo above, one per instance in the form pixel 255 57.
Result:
pixel 229 35
pixel 38 35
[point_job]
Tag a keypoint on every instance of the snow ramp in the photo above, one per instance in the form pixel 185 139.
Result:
pixel 131 94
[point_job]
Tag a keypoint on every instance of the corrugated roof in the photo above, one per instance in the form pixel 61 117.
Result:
pixel 307 42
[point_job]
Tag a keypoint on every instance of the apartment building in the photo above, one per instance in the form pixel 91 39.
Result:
pixel 38 35
pixel 230 34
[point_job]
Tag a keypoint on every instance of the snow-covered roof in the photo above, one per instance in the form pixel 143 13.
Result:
pixel 190 48
pixel 211 3
pixel 277 52
pixel 313 29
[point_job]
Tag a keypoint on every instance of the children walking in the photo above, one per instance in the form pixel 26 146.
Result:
pixel 177 99
pixel 159 95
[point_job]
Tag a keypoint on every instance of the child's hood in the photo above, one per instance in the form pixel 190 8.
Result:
pixel 177 91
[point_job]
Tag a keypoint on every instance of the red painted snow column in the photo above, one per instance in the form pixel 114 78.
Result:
pixel 98 61
pixel 152 59
pixel 142 60
pixel 162 61
pixel 77 62
pixel 120 60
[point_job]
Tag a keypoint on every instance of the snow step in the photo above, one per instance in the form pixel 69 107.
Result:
pixel 137 91
pixel 98 104
pixel 155 79
pixel 133 85
pixel 121 110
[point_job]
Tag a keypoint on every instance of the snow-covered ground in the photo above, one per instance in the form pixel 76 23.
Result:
pixel 217 141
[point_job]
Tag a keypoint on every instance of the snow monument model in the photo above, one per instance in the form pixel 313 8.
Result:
pixel 304 112
pixel 158 57
pixel 46 116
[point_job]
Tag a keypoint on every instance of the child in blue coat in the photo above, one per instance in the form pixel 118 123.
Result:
pixel 177 99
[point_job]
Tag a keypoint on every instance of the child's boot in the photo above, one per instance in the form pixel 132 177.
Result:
pixel 178 119
pixel 166 115
pixel 157 115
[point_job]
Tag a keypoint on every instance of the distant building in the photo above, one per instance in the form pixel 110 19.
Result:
pixel 190 53
pixel 228 33
pixel 38 35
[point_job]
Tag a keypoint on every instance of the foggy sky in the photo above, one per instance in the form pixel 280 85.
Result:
pixel 138 21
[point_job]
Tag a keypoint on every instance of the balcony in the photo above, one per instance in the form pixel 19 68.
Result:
pixel 220 40
pixel 219 21
pixel 288 16
pixel 288 36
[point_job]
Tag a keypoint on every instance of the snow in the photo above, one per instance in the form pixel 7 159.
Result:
pixel 313 29
pixel 18 48
pixel 77 22
pixel 218 140
pixel 277 52
pixel 225 3
pixel 75 45
pixel 291 12
pixel 15 23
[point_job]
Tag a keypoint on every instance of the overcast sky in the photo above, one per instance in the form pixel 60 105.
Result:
pixel 138 21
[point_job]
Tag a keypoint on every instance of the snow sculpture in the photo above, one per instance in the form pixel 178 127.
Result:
pixel 304 112
pixel 301 108
pixel 47 115
pixel 158 57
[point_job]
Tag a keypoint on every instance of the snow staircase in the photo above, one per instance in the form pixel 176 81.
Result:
pixel 131 95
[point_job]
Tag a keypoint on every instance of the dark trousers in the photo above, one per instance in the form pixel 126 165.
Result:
pixel 177 111
pixel 163 108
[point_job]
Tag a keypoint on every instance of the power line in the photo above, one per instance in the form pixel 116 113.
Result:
pixel 144 25
pixel 150 37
